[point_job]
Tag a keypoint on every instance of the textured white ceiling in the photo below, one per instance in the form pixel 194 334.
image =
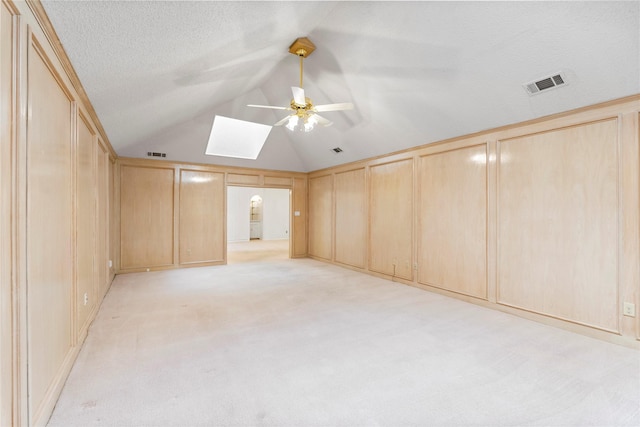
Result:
pixel 157 72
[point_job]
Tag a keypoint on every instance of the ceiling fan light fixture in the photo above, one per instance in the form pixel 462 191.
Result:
pixel 301 123
pixel 292 123
pixel 309 123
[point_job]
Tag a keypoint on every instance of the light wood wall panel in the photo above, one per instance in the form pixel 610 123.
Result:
pixel 114 223
pixel 86 284
pixel 299 221
pixel 146 217
pixel 277 181
pixel 243 179
pixel 49 228
pixel 198 204
pixel 202 216
pixel 452 218
pixel 320 216
pixel 7 205
pixel 102 217
pixel 391 219
pixel 350 218
pixel 558 223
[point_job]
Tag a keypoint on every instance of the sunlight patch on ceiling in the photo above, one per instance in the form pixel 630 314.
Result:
pixel 236 138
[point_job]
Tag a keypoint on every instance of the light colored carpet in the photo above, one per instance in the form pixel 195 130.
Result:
pixel 304 343
pixel 257 250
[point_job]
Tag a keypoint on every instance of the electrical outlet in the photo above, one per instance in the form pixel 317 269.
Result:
pixel 629 309
pixel 110 263
pixel 86 298
pixel 415 266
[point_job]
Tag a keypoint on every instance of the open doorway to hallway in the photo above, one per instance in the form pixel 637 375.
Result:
pixel 258 224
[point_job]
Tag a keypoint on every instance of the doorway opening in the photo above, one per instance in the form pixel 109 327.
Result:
pixel 258 224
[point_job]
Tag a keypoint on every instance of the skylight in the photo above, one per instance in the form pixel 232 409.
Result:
pixel 236 138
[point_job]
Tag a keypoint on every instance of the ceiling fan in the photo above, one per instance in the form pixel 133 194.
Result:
pixel 304 114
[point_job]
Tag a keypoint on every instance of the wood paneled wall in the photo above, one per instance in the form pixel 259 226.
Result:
pixel 299 221
pixel 103 213
pixel 351 218
pixel 55 219
pixel 391 219
pixel 50 224
pixel 558 229
pixel 453 196
pixel 8 48
pixel 146 216
pixel 320 213
pixel 173 215
pixel 202 219
pixel 86 216
pixel 538 219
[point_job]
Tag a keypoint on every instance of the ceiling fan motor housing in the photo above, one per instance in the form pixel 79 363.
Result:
pixel 302 110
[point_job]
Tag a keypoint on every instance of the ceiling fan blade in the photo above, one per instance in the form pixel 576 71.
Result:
pixel 298 96
pixel 334 107
pixel 283 121
pixel 322 121
pixel 268 106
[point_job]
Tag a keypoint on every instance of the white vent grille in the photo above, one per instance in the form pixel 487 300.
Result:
pixel 551 82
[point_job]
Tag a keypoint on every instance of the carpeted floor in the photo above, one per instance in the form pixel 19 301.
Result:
pixel 257 251
pixel 303 343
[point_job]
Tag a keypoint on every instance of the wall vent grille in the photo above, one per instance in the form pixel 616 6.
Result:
pixel 337 150
pixel 156 154
pixel 544 84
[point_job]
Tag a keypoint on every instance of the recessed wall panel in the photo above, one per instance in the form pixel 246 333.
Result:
pixel 201 216
pixel 277 181
pixel 452 217
pixel 351 222
pixel 147 207
pixel 115 214
pixel 299 222
pixel 243 179
pixel 391 219
pixel 86 284
pixel 320 216
pixel 558 223
pixel 7 144
pixel 102 237
pixel 49 240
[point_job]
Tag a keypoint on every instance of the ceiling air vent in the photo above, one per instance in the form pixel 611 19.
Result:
pixel 155 154
pixel 337 150
pixel 546 83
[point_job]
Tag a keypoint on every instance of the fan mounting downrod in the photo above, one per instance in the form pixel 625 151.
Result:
pixel 302 47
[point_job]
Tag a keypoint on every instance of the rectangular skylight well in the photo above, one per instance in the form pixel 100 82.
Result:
pixel 236 138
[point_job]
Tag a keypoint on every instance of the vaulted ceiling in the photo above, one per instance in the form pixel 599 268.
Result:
pixel 157 72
